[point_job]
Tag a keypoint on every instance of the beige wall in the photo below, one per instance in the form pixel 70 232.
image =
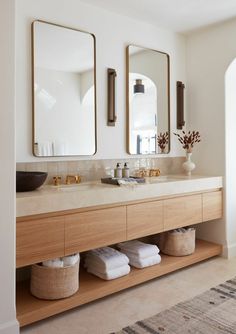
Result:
pixel 8 324
pixel 209 53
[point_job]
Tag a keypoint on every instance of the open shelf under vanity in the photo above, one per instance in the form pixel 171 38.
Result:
pixel 31 309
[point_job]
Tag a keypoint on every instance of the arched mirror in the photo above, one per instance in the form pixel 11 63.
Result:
pixel 148 107
pixel 64 91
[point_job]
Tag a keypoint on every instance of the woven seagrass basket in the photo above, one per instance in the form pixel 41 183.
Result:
pixel 54 283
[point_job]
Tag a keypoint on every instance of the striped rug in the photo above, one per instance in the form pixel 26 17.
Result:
pixel 213 312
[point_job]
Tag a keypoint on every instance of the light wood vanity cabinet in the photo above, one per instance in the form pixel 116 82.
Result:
pixel 212 205
pixel 46 238
pixel 93 229
pixel 39 240
pixel 182 211
pixel 144 219
pixel 63 233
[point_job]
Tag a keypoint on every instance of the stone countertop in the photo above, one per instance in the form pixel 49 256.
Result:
pixel 68 197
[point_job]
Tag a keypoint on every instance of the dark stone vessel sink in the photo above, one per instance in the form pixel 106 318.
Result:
pixel 28 181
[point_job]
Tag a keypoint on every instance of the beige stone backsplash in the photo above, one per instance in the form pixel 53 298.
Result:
pixel 91 170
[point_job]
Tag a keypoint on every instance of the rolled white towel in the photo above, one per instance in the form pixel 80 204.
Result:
pixel 54 263
pixel 146 262
pixel 106 258
pixel 138 248
pixel 111 274
pixel 70 260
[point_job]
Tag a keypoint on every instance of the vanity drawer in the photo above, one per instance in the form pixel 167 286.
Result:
pixel 182 211
pixel 93 229
pixel 39 240
pixel 144 219
pixel 212 205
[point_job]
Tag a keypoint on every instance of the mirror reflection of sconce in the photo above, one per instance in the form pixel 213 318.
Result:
pixel 138 87
pixel 111 79
pixel 180 105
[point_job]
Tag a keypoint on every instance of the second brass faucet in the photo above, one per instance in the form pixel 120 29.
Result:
pixel 75 178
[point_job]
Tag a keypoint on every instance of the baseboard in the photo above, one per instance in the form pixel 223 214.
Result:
pixel 229 251
pixel 11 327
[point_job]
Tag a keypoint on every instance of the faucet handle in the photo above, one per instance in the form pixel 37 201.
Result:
pixel 56 180
pixel 155 172
pixel 77 179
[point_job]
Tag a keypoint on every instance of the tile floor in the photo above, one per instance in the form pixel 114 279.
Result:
pixel 124 308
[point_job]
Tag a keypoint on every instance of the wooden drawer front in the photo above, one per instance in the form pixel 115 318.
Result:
pixel 38 240
pixel 182 211
pixel 93 229
pixel 144 219
pixel 212 205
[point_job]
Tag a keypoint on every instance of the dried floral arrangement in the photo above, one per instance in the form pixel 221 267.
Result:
pixel 188 139
pixel 163 140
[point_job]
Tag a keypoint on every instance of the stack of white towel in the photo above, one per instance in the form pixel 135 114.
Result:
pixel 66 261
pixel 107 263
pixel 140 254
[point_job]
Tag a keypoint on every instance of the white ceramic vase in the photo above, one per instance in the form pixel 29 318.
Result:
pixel 188 165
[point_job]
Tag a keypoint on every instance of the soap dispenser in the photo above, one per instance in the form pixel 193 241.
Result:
pixel 125 170
pixel 118 171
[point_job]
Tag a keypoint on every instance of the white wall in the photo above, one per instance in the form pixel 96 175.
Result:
pixel 209 53
pixel 8 324
pixel 113 33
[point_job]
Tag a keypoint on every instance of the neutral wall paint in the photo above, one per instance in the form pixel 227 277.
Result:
pixel 209 53
pixel 113 33
pixel 8 323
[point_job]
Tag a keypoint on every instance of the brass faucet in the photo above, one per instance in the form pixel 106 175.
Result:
pixel 148 172
pixel 56 180
pixel 76 178
pixel 154 172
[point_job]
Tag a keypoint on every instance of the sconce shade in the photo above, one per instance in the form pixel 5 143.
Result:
pixel 138 87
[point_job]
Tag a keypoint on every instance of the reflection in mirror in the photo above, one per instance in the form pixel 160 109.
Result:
pixel 64 91
pixel 148 100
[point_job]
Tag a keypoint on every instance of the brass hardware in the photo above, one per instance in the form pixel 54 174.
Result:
pixel 143 173
pixel 111 80
pixel 76 178
pixel 148 172
pixel 56 180
pixel 154 172
pixel 180 104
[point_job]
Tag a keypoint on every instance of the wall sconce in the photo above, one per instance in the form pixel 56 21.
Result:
pixel 111 97
pixel 139 86
pixel 180 104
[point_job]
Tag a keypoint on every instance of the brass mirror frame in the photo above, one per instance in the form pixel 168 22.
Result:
pixel 127 98
pixel 33 94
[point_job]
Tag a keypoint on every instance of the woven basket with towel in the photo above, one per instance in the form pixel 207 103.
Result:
pixel 55 279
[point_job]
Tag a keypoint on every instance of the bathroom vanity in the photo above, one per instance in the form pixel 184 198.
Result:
pixel 58 221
